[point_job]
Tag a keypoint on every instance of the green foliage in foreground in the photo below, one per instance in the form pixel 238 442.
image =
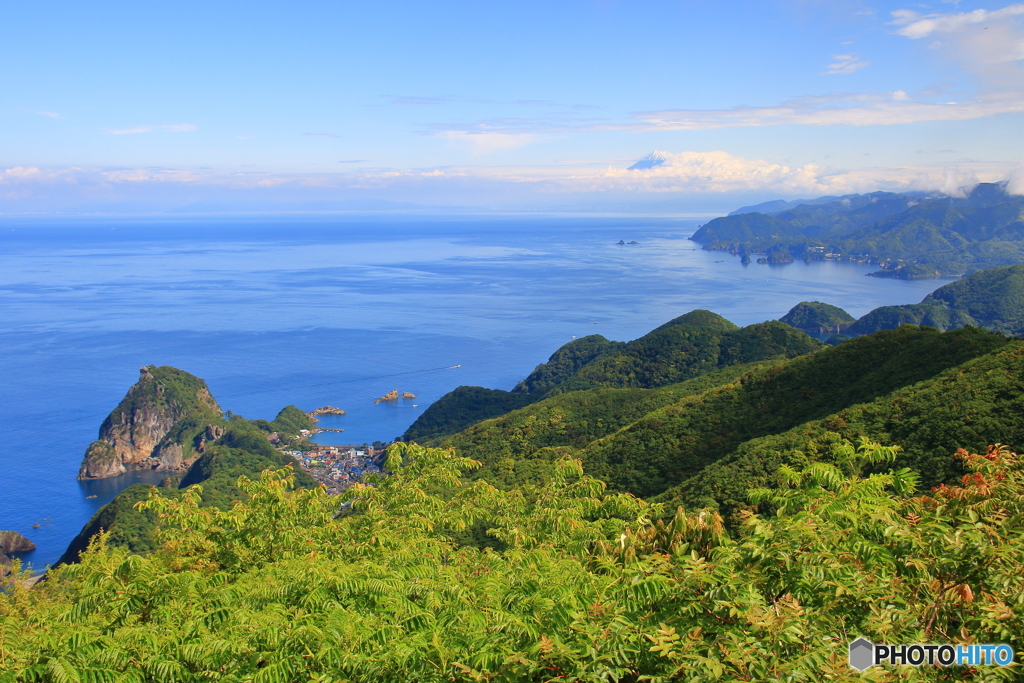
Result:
pixel 279 589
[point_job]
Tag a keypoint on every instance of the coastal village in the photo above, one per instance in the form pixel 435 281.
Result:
pixel 338 467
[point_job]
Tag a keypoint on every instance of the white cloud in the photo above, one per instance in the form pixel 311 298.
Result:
pixel 171 128
pixel 845 64
pixel 1016 180
pixel 983 41
pixel 870 109
pixel 958 182
pixel 48 114
pixel 695 173
pixel 153 175
pixel 916 25
pixel 987 43
pixel 20 172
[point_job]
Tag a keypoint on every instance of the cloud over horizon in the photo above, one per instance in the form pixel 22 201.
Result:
pixel 688 176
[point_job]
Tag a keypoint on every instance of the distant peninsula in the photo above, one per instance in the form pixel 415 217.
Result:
pixel 907 235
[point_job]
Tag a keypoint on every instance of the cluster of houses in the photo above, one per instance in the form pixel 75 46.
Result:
pixel 338 467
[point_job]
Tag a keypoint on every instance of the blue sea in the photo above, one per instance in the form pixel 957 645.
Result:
pixel 316 310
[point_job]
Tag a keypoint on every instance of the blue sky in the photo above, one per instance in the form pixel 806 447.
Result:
pixel 127 106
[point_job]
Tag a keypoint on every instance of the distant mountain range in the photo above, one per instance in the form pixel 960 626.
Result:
pixel 908 235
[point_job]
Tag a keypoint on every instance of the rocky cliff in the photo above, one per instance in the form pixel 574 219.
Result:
pixel 163 423
pixel 12 542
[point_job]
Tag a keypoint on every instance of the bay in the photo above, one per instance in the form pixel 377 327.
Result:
pixel 331 309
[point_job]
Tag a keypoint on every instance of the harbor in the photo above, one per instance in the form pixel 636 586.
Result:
pixel 339 467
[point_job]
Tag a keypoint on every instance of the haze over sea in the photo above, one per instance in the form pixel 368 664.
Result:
pixel 326 309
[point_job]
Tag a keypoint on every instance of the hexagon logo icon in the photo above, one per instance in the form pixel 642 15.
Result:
pixel 862 654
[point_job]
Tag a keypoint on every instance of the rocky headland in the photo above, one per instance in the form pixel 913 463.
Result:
pixel 12 542
pixel 163 423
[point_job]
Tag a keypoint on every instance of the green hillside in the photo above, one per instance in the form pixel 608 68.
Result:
pixel 992 299
pixel 677 441
pixel 462 407
pixel 815 317
pixel 565 362
pixel 691 345
pixel 522 446
pixel 980 401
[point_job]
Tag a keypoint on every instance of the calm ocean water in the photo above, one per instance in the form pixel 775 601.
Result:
pixel 317 310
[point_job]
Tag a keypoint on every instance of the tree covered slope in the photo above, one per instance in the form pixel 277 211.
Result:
pixel 689 430
pixel 992 299
pixel 691 345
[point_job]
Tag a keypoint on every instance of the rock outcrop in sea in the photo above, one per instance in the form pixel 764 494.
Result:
pixel 390 396
pixel 324 410
pixel 12 542
pixel 163 423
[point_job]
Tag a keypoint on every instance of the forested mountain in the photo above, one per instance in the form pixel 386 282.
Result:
pixel 909 236
pixel 649 441
pixel 817 318
pixel 683 348
pixel 992 299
